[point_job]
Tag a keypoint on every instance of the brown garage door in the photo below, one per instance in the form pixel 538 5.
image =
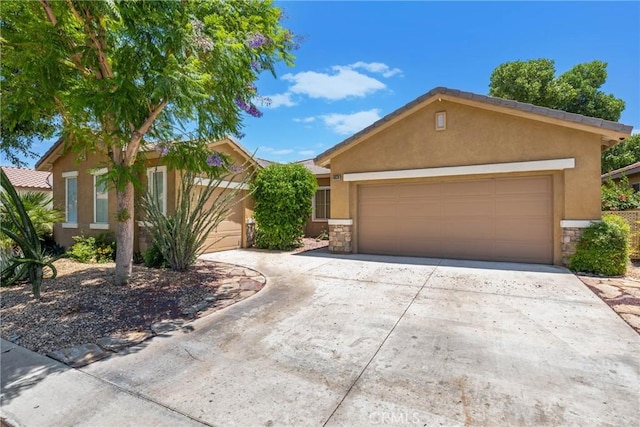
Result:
pixel 502 219
pixel 228 234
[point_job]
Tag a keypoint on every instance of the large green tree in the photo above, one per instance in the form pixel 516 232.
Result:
pixel 575 91
pixel 113 75
pixel 623 154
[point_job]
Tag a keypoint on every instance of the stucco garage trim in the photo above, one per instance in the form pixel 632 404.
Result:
pixel 226 185
pixel 340 222
pixel 576 223
pixel 491 168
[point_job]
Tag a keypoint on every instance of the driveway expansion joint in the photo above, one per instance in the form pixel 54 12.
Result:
pixel 144 397
pixel 382 343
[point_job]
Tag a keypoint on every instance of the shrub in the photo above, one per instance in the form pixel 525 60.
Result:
pixel 283 195
pixel 619 196
pixel 203 202
pixel 99 249
pixel 153 257
pixel 603 248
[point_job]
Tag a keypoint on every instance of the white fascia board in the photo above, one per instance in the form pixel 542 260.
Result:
pixel 231 185
pixel 491 168
pixel 577 223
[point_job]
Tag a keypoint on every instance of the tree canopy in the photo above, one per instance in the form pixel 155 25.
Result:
pixel 112 76
pixel 621 155
pixel 575 91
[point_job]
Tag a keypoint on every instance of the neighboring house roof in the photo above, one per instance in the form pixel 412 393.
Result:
pixel 612 132
pixel 618 173
pixel 263 162
pixel 315 169
pixel 28 178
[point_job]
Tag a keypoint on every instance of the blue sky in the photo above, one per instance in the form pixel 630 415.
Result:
pixel 362 60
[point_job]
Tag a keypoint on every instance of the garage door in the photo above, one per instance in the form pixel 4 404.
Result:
pixel 228 234
pixel 503 219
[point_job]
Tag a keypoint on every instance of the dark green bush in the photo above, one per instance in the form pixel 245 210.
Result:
pixel 99 249
pixel 283 195
pixel 153 257
pixel 603 248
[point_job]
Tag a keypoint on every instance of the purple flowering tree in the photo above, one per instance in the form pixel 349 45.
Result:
pixel 106 78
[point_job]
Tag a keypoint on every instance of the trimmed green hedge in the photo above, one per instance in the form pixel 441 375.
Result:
pixel 603 248
pixel 282 195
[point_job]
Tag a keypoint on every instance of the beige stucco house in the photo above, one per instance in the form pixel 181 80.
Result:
pixel 90 208
pixel 459 175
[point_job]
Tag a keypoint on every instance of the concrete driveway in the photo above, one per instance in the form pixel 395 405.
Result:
pixel 369 340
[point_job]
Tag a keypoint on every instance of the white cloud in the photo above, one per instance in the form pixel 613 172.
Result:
pixel 635 131
pixel 376 67
pixel 280 100
pixel 345 124
pixel 274 151
pixel 306 152
pixel 344 83
pixel 305 120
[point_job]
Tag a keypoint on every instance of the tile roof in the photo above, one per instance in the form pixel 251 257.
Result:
pixel 315 169
pixel 627 170
pixel 605 125
pixel 263 162
pixel 28 178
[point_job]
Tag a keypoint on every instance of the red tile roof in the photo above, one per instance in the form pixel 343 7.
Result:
pixel 28 178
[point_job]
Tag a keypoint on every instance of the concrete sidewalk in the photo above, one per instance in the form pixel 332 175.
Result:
pixel 39 391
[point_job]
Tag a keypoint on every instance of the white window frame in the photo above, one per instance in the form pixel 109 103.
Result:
pixel 67 176
pixel 313 216
pixel 95 225
pixel 150 172
pixel 441 120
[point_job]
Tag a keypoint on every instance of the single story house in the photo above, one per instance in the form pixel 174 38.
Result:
pixel 460 175
pixel 90 208
pixel 28 180
pixel 632 172
pixel 451 174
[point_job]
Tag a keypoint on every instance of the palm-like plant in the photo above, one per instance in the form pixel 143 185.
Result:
pixel 17 226
pixel 38 207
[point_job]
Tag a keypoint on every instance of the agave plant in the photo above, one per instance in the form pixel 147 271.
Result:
pixel 17 226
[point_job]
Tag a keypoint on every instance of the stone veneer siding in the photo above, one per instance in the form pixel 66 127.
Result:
pixel 570 237
pixel 340 239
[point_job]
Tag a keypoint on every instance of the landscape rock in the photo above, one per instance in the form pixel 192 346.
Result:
pixel 201 306
pixel 188 312
pixel 118 343
pixel 165 326
pixel 249 285
pixel 79 356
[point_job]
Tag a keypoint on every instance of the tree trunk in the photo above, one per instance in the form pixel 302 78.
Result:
pixel 124 234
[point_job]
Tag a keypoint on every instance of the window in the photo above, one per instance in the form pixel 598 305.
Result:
pixel 636 187
pixel 100 201
pixel 157 186
pixel 441 120
pixel 71 199
pixel 322 204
